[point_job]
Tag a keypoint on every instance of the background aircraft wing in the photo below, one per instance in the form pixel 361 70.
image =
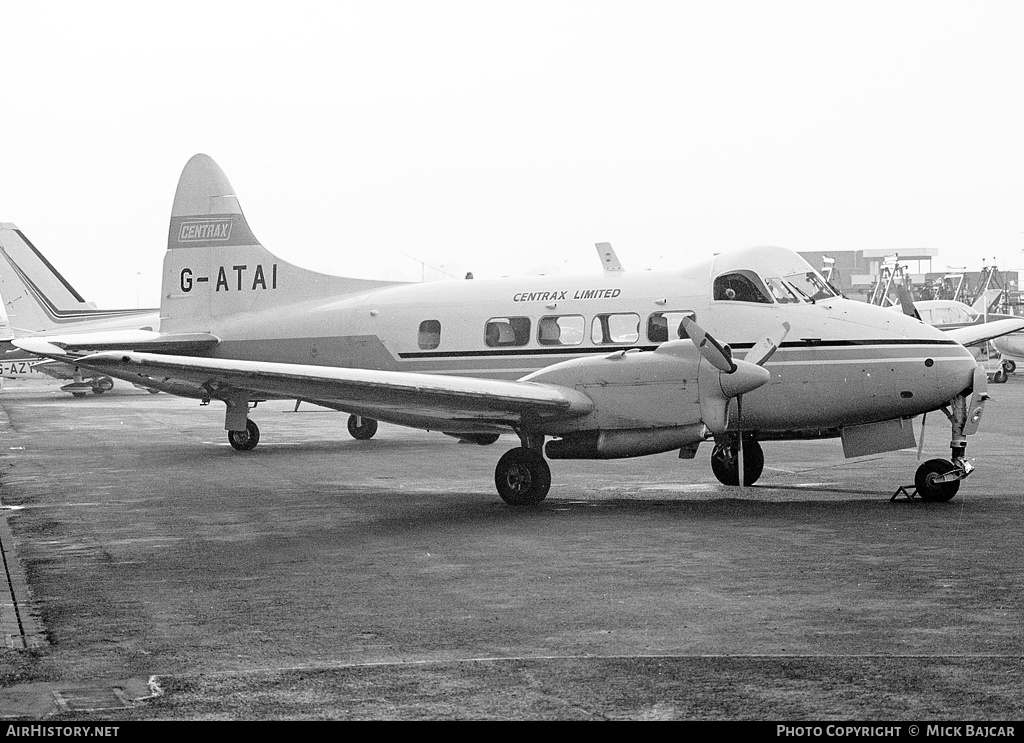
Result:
pixel 399 397
pixel 972 335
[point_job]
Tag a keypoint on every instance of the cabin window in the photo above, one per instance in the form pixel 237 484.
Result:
pixel 507 331
pixel 617 327
pixel 561 330
pixel 663 326
pixel 741 286
pixel 430 334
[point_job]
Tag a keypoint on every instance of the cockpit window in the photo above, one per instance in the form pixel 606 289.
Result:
pixel 810 286
pixel 741 286
pixel 782 292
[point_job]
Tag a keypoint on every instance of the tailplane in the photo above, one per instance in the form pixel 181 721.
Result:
pixel 215 266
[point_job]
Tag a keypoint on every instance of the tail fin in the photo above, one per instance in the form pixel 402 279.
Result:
pixel 35 295
pixel 215 266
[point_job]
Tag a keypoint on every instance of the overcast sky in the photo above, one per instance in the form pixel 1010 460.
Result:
pixel 371 138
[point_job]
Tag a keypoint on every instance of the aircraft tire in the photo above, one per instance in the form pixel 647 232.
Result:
pixel 930 491
pixel 725 462
pixel 245 440
pixel 1009 365
pixel 522 477
pixel 103 384
pixel 363 432
pixel 79 394
pixel 1000 375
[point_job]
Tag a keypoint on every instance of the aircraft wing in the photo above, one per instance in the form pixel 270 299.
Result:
pixel 400 397
pixel 973 335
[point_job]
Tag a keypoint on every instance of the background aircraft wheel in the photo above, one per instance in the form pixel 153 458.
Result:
pixel 1000 375
pixel 725 462
pixel 245 440
pixel 932 491
pixel 79 394
pixel 523 477
pixel 1010 365
pixel 103 384
pixel 364 431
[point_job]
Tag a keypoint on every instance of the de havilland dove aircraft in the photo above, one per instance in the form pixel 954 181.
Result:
pixel 38 299
pixel 746 347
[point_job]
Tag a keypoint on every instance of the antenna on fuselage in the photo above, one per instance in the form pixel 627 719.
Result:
pixel 609 260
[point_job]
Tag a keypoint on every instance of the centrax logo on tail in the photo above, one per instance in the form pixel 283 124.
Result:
pixel 747 347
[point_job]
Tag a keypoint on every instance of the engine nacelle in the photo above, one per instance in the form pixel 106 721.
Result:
pixel 619 444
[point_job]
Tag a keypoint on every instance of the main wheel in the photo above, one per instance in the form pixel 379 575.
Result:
pixel 522 477
pixel 925 481
pixel 361 428
pixel 1000 375
pixel 1010 365
pixel 725 462
pixel 245 440
pixel 103 384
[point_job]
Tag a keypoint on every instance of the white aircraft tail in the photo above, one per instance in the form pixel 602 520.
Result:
pixel 215 266
pixel 36 297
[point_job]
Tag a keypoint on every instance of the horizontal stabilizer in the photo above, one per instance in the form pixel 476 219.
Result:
pixel 137 340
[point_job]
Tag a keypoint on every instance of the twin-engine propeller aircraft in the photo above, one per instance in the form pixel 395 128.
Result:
pixel 38 299
pixel 742 348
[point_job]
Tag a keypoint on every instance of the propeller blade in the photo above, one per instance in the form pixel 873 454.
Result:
pixel 763 349
pixel 739 442
pixel 920 445
pixel 717 355
pixel 907 302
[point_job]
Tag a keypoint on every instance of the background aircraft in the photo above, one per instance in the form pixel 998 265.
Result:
pixel 593 362
pixel 973 328
pixel 38 299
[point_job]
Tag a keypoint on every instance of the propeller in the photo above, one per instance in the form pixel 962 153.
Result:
pixel 735 378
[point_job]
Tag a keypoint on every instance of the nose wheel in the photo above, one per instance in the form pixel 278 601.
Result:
pixel 938 480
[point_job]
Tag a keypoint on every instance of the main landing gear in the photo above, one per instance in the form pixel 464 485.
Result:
pixel 361 428
pixel 245 440
pixel 725 460
pixel 522 475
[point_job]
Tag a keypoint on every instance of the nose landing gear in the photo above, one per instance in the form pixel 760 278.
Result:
pixel 938 480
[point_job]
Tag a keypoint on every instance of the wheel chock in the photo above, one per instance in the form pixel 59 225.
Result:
pixel 907 491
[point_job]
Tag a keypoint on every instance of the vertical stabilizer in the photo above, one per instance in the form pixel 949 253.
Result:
pixel 36 297
pixel 215 266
